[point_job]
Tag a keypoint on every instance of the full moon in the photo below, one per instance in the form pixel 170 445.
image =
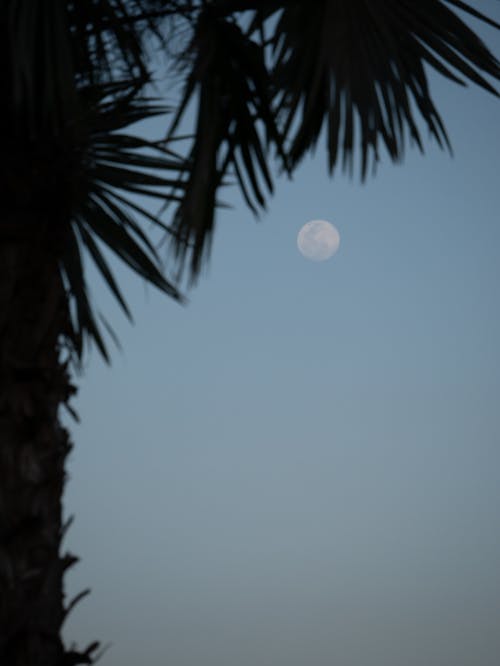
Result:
pixel 318 240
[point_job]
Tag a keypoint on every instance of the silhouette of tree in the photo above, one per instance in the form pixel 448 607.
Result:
pixel 265 77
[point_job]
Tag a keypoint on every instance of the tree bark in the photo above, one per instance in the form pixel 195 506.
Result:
pixel 34 384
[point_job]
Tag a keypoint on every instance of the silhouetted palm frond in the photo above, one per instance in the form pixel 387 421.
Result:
pixel 229 77
pixel 359 67
pixel 109 35
pixel 55 47
pixel 114 167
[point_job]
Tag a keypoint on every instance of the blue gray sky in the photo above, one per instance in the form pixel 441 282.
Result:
pixel 302 466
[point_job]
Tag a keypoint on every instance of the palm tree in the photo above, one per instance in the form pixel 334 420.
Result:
pixel 266 77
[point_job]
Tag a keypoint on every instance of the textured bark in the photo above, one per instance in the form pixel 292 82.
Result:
pixel 34 384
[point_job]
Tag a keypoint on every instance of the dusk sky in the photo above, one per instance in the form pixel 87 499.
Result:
pixel 301 467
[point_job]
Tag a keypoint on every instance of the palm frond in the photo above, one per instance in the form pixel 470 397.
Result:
pixel 109 36
pixel 56 47
pixel 359 66
pixel 114 167
pixel 83 324
pixel 229 78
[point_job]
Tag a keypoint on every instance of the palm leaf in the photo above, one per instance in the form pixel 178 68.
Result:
pixel 103 267
pixel 56 47
pixel 113 167
pixel 83 323
pixel 109 36
pixel 229 78
pixel 360 66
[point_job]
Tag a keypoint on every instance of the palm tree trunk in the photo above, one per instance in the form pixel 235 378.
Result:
pixel 34 384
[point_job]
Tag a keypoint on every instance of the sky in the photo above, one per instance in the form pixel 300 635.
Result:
pixel 302 465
